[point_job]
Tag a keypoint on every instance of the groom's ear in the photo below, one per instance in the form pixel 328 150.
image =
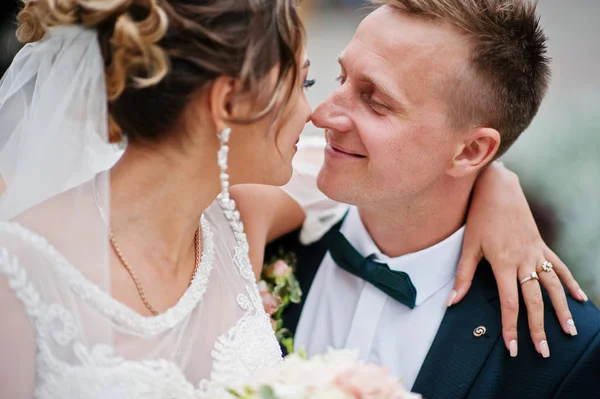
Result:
pixel 476 151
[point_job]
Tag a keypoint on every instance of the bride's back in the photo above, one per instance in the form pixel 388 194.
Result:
pixel 151 72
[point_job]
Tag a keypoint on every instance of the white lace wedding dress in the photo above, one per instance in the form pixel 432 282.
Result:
pixel 66 337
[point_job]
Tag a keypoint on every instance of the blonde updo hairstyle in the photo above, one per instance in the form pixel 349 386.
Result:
pixel 159 53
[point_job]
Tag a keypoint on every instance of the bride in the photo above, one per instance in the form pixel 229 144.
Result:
pixel 135 280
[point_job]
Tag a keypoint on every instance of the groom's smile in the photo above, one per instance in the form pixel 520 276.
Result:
pixel 339 151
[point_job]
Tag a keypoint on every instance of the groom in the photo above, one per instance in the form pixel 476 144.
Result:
pixel 431 91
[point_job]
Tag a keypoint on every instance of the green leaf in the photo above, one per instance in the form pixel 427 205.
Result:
pixel 266 392
pixel 278 324
pixel 277 290
pixel 295 291
pixel 234 393
pixel 282 335
pixel 288 344
pixel 295 298
pixel 302 353
pixel 292 279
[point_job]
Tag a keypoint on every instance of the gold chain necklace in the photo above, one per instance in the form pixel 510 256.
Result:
pixel 138 284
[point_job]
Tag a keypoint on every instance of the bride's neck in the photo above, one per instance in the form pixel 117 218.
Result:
pixel 157 199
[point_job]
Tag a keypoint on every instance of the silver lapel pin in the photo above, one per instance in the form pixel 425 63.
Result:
pixel 479 331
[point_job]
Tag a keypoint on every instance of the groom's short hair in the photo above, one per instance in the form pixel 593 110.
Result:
pixel 508 73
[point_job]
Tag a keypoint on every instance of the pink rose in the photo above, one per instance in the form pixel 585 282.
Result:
pixel 369 381
pixel 281 269
pixel 270 303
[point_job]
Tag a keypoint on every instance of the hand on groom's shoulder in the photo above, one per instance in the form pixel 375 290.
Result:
pixel 573 368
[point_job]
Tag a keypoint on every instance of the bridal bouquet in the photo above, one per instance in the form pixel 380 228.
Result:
pixel 334 375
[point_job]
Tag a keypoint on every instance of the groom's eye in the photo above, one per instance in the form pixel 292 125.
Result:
pixel 340 79
pixel 375 106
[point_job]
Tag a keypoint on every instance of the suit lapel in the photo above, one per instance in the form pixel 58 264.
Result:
pixel 458 352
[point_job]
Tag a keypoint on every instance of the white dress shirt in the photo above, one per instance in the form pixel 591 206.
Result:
pixel 343 311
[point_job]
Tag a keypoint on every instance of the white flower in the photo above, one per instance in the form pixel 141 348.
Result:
pixel 345 357
pixel 263 287
pixel 331 393
pixel 337 374
pixel 369 381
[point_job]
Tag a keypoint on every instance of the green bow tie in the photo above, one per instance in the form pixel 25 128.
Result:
pixel 396 284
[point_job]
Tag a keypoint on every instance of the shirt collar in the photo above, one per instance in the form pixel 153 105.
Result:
pixel 429 269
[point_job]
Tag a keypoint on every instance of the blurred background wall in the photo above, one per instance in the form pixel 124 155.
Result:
pixel 557 159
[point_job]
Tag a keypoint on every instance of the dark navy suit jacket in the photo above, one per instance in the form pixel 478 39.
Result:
pixel 462 365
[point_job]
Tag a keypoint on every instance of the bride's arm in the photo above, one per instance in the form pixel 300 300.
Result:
pixel 267 212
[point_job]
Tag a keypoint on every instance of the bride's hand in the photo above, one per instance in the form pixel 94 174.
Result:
pixel 500 227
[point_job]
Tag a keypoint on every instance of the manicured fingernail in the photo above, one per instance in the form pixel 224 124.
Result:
pixel 514 348
pixel 544 350
pixel 583 296
pixel 451 298
pixel 571 327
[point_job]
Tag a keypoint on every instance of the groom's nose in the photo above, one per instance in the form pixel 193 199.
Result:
pixel 332 114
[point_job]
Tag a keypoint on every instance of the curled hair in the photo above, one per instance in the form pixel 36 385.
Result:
pixel 159 53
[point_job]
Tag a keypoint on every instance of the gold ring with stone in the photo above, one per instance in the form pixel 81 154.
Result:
pixel 532 275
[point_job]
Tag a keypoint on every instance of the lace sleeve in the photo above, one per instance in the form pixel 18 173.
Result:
pixel 321 212
pixel 17 345
pixel 32 300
